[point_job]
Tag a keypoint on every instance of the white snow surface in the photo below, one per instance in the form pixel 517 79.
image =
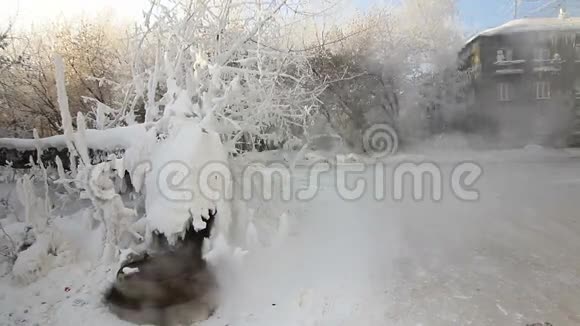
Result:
pixel 535 24
pixel 508 259
pixel 174 195
pixel 532 25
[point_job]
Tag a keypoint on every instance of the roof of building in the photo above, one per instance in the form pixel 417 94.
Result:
pixel 531 25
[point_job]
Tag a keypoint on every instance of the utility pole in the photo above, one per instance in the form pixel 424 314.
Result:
pixel 558 5
pixel 563 9
pixel 564 5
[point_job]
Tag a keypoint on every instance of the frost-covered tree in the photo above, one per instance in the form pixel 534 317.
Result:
pixel 11 123
pixel 94 53
pixel 382 61
pixel 231 65
pixel 4 60
pixel 209 84
pixel 216 78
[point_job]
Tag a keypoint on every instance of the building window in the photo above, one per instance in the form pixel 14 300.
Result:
pixel 541 54
pixel 543 90
pixel 505 55
pixel 504 92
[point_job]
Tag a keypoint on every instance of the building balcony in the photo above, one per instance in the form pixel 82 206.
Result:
pixel 509 67
pixel 510 71
pixel 549 65
pixel 504 63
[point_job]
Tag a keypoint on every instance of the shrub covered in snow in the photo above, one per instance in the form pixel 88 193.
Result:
pixel 215 80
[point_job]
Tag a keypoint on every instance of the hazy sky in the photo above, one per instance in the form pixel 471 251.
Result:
pixel 28 12
pixel 474 14
pixel 482 14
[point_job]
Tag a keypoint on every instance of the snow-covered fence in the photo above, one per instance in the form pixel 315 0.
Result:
pixel 18 153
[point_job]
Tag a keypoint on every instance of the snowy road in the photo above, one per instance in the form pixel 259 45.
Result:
pixel 510 258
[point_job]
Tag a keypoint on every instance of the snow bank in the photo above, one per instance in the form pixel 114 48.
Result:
pixel 110 139
pixel 174 196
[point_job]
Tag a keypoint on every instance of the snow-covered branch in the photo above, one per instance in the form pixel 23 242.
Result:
pixel 211 60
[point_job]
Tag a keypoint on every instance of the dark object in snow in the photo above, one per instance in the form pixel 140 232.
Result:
pixel 163 286
pixel 540 324
pixel 67 289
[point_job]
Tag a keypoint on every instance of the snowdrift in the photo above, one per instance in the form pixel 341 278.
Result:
pixel 175 186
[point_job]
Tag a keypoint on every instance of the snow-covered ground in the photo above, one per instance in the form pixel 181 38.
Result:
pixel 509 258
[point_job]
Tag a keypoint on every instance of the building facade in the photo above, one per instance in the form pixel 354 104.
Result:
pixel 525 81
